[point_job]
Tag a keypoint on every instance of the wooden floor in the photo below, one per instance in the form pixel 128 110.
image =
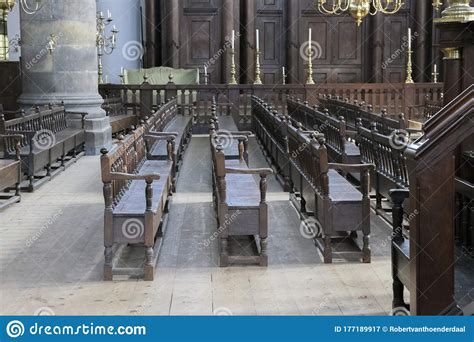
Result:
pixel 52 254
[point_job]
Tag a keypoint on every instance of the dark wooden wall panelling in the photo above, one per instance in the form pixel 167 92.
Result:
pixel 347 53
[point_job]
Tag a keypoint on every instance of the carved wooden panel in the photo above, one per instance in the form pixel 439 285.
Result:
pixel 395 49
pixel 200 36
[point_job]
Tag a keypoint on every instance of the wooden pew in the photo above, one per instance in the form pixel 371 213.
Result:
pixel 235 145
pixel 271 132
pixel 423 258
pixel 136 193
pixel 10 171
pixel 339 207
pixel 166 121
pixel 48 140
pixel 240 206
pixel 340 148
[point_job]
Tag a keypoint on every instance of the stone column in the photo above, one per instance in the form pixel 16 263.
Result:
pixel 69 74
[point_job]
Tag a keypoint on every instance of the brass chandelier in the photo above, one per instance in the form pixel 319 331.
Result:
pixel 359 9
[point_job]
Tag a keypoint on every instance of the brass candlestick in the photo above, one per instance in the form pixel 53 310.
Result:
pixel 435 75
pixel 233 72
pixel 409 79
pixel 310 79
pixel 258 80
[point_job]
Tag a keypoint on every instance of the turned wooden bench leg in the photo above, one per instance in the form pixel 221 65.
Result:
pixel 366 252
pixel 327 249
pixel 263 252
pixel 149 267
pixel 224 254
pixel 397 287
pixel 109 257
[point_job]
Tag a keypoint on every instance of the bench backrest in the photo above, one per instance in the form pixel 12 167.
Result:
pixel 352 112
pixel 334 129
pixel 127 157
pixel 113 106
pixel 274 123
pixel 386 152
pixel 163 116
pixel 308 152
pixel 51 119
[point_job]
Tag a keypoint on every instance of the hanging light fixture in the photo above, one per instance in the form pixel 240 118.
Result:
pixel 359 9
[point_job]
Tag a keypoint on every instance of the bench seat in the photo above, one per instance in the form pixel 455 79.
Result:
pixel 242 190
pixel 342 191
pixel 133 202
pixel 178 125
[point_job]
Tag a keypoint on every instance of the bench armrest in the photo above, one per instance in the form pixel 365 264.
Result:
pixel 168 137
pixel 232 133
pixel 364 170
pixel 128 176
pixel 352 134
pixel 262 172
pixel 351 167
pixel 160 134
pixel 28 134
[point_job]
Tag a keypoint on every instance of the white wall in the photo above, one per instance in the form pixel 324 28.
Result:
pixel 14 30
pixel 129 50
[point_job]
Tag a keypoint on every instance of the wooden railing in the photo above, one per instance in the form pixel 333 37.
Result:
pixel 397 98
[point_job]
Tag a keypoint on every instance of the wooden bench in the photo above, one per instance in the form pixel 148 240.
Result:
pixel 240 206
pixel 340 209
pixel 136 193
pixel 271 131
pixel 10 171
pixel 235 145
pixel 338 138
pixel 48 141
pixel 166 122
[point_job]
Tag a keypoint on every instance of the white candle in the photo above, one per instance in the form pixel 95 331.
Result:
pixel 435 68
pixel 409 39
pixel 106 78
pixel 109 15
pixel 205 70
pixel 258 40
pixel 283 71
pixel 122 71
pixel 233 39
pixel 310 38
